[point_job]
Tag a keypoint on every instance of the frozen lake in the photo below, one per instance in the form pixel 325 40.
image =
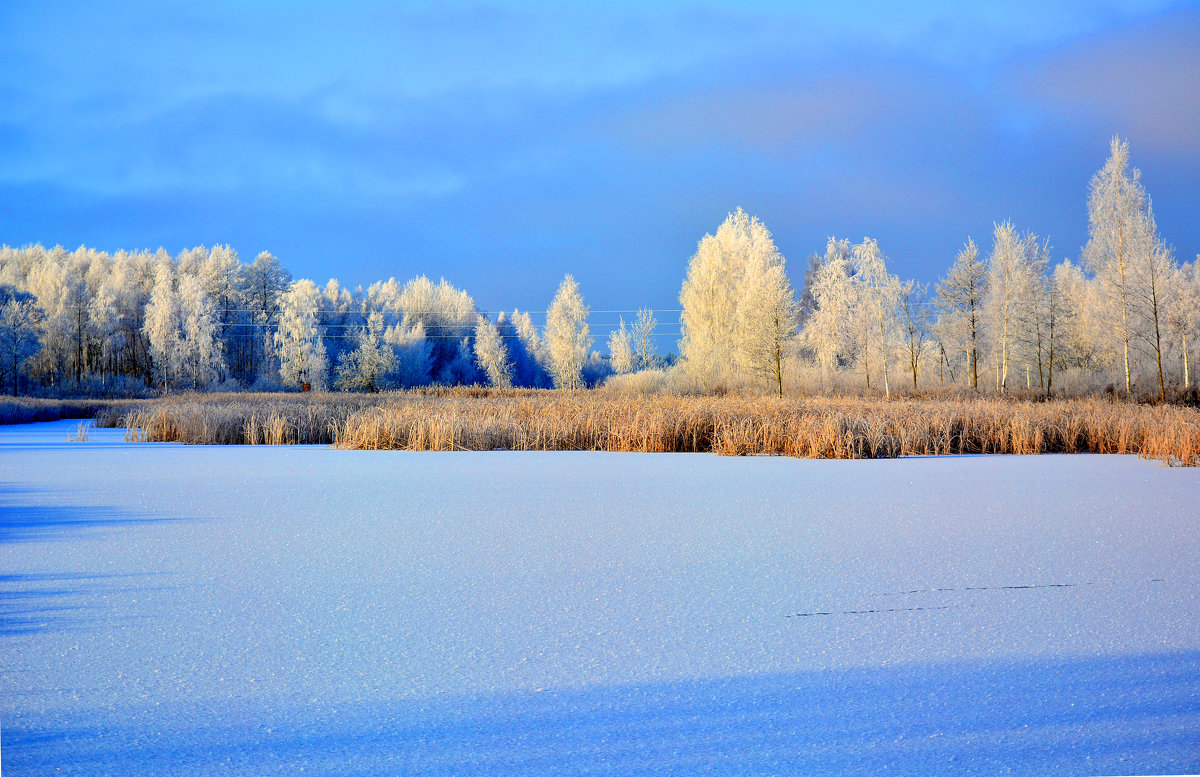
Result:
pixel 176 610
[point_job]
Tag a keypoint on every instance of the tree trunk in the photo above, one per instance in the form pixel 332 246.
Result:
pixel 973 356
pixel 887 391
pixel 1187 378
pixel 1162 388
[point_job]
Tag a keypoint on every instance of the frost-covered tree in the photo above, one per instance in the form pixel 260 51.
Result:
pixel 1118 238
pixel 447 317
pixel 223 283
pixel 164 326
pixel 368 367
pixel 1183 314
pixel 20 328
pixel 959 303
pixel 620 349
pixel 341 313
pixel 645 357
pixel 914 323
pixel 1031 322
pixel 200 346
pixel 1152 272
pixel 76 303
pixel 827 328
pixel 298 340
pixel 877 296
pixel 265 282
pixel 1080 326
pixel 568 337
pixel 1008 295
pixel 715 286
pixel 491 355
pixel 1060 318
pixel 766 321
pixel 525 349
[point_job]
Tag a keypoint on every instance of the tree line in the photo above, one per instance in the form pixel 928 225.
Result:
pixel 1125 315
pixel 85 321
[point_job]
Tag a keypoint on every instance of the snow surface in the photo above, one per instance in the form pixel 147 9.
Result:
pixel 177 610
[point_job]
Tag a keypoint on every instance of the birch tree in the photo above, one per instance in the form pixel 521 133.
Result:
pixel 827 326
pixel 302 357
pixel 372 361
pixel 527 351
pixel 20 328
pixel 711 293
pixel 766 321
pixel 491 354
pixel 1152 271
pixel 914 323
pixel 620 350
pixel 265 282
pixel 1183 314
pixel 200 346
pixel 1032 309
pixel 1116 235
pixel 1007 287
pixel 163 327
pixel 568 337
pixel 878 298
pixel 1060 317
pixel 643 339
pixel 959 303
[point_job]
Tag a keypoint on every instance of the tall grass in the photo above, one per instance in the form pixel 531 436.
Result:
pixel 240 419
pixel 479 419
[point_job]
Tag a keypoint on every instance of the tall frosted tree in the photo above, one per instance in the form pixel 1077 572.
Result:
pixel 643 340
pixel 200 345
pixel 766 321
pixel 620 349
pixel 1117 238
pixel 77 299
pixel 525 349
pixel 877 294
pixel 568 337
pixel 223 282
pixel 164 326
pixel 369 366
pixel 712 292
pixel 1008 287
pixel 491 355
pixel 265 281
pixel 914 323
pixel 827 327
pixel 1184 314
pixel 1153 271
pixel 302 357
pixel 1033 310
pixel 1080 327
pixel 959 302
pixel 20 328
pixel 1060 317
pixel 448 317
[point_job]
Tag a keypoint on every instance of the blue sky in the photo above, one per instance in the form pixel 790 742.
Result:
pixel 503 145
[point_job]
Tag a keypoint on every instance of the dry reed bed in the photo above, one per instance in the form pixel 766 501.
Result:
pixel 807 428
pixel 240 419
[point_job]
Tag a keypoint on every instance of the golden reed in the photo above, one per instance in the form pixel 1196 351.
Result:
pixel 842 428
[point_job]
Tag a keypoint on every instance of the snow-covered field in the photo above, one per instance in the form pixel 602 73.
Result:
pixel 199 610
